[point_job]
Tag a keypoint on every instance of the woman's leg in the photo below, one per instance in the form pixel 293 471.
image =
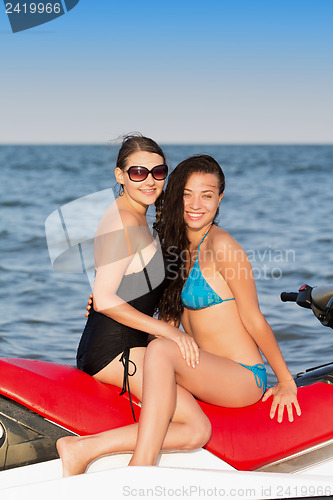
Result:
pixel 189 429
pixel 216 380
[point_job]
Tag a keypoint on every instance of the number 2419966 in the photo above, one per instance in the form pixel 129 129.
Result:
pixel 33 8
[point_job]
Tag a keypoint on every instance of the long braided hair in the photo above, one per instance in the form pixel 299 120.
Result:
pixel 172 230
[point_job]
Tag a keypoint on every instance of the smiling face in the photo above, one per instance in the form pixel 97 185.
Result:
pixel 144 193
pixel 201 200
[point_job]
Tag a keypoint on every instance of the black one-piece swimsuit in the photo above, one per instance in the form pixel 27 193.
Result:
pixel 103 338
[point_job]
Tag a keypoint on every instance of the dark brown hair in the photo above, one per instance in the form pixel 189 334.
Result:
pixel 172 229
pixel 133 143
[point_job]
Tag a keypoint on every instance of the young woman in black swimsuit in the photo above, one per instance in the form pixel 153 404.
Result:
pixel 127 289
pixel 130 276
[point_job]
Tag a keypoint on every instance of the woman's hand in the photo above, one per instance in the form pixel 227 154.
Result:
pixel 284 395
pixel 187 345
pixel 89 305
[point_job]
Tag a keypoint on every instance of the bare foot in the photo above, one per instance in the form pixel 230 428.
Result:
pixel 71 452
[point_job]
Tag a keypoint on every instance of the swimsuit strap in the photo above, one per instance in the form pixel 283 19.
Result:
pixel 202 241
pixel 146 272
pixel 260 377
pixel 126 387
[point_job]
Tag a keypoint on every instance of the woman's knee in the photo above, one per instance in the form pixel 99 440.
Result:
pixel 160 348
pixel 199 434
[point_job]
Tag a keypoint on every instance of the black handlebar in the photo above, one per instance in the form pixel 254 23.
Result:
pixel 289 296
pixel 321 301
pixel 302 298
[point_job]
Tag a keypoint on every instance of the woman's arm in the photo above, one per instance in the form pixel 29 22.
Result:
pixel 237 271
pixel 112 258
pixel 109 304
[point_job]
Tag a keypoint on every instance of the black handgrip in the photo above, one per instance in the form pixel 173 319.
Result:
pixel 289 296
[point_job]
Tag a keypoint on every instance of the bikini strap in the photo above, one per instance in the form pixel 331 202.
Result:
pixel 201 242
pixel 203 239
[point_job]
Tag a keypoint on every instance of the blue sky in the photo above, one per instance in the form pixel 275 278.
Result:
pixel 180 71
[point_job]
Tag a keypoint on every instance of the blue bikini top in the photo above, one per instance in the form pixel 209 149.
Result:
pixel 197 293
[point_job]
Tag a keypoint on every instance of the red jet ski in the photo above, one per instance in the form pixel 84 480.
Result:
pixel 41 402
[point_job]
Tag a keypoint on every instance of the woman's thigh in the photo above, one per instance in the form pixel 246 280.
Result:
pixel 187 407
pixel 216 380
pixel 113 373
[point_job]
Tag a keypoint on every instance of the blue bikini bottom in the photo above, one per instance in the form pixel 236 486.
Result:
pixel 260 375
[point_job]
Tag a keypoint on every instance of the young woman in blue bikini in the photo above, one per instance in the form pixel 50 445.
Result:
pixel 218 307
pixel 213 295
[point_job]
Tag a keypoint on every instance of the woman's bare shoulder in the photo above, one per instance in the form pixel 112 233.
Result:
pixel 115 219
pixel 223 242
pixel 128 218
pixel 221 238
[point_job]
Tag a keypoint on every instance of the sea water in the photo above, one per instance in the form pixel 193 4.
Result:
pixel 277 205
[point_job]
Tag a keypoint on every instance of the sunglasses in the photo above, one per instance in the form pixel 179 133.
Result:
pixel 139 174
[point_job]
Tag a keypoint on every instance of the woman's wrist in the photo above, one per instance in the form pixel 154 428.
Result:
pixel 165 329
pixel 286 380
